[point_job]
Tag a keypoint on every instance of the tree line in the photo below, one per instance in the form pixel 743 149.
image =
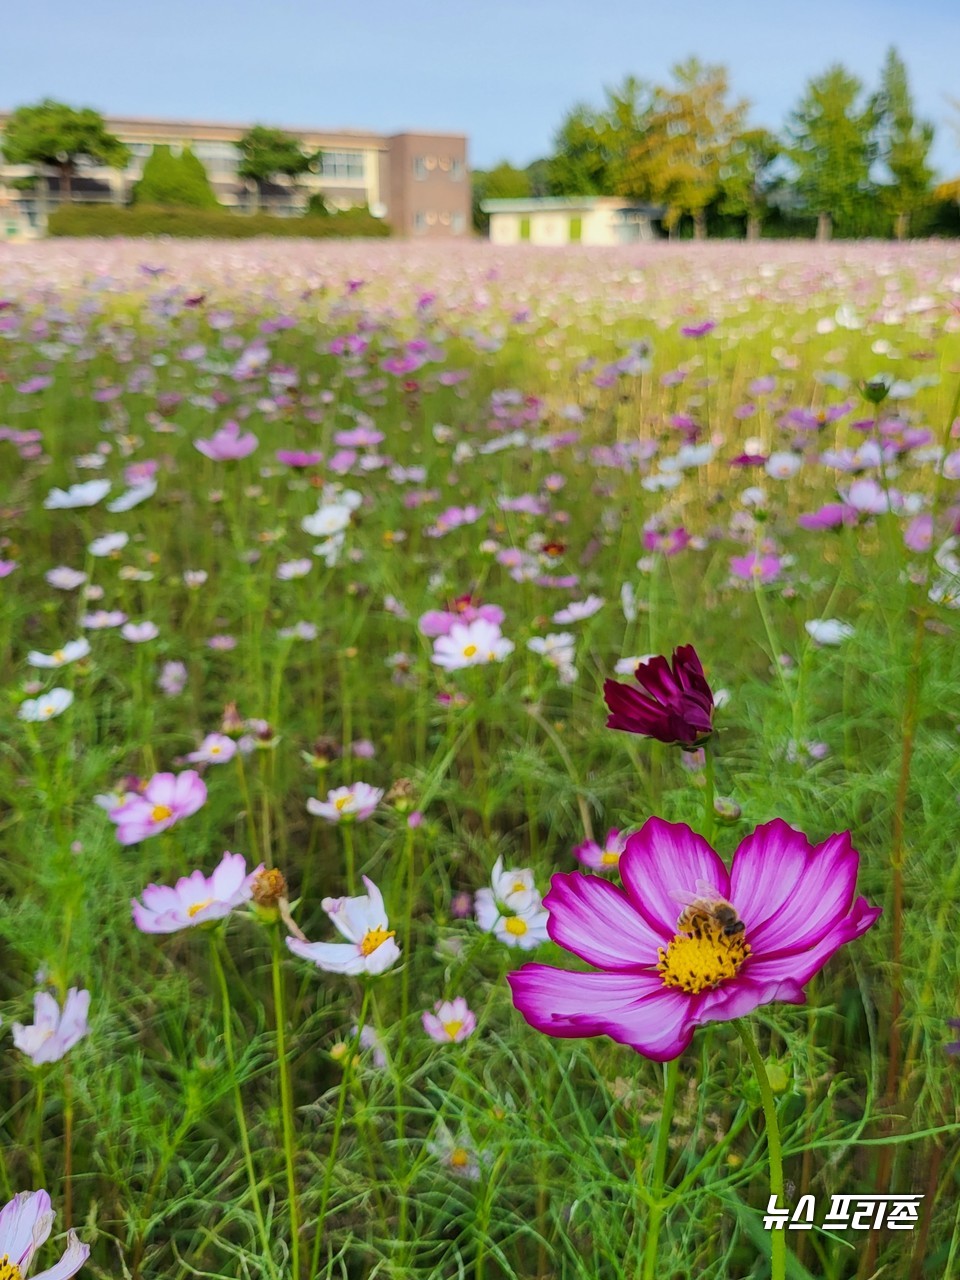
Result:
pixel 848 162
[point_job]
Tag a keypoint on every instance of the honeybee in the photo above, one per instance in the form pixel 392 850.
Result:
pixel 704 905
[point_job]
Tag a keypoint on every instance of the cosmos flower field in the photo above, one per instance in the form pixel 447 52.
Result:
pixel 479 787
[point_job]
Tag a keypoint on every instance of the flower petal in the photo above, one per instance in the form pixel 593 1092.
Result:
pixel 800 966
pixel 599 923
pixel 334 957
pixel 25 1223
pixel 662 862
pixel 73 1259
pixel 635 1009
pixel 788 893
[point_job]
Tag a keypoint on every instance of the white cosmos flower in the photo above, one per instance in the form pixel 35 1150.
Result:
pixel 370 946
pixel 46 707
pixel 828 631
pixel 109 543
pixel 471 644
pixel 511 908
pixel 70 652
pixel 577 610
pixel 138 632
pixel 327 520
pixel 87 494
pixel 133 496
pixel 783 465
pixel 64 578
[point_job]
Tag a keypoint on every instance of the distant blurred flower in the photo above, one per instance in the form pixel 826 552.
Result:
pixel 52 1032
pixel 51 704
pixel 166 799
pixel 195 899
pixel 347 804
pixel 451 1021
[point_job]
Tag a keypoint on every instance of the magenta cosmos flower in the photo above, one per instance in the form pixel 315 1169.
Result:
pixel 685 942
pixel 25 1223
pixel 674 703
pixel 195 899
pixel 166 798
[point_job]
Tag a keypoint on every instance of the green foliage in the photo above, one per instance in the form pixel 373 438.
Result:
pixel 832 148
pixel 105 220
pixel 680 156
pixel 52 133
pixel 591 146
pixel 178 181
pixel 503 182
pixel 903 145
pixel 746 176
pixel 267 153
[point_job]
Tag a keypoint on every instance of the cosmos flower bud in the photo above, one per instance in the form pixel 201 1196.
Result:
pixel 232 722
pixel 875 390
pixel 673 704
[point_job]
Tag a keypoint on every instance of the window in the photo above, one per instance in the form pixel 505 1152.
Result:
pixel 218 158
pixel 576 229
pixel 419 221
pixel 458 222
pixel 419 167
pixel 456 170
pixel 342 164
pixel 524 228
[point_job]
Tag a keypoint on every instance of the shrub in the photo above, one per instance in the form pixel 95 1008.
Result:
pixel 217 224
pixel 179 181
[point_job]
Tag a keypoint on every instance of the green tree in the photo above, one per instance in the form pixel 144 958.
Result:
pixel 270 153
pixel 591 147
pixel 52 133
pixel 746 177
pixel 679 156
pixel 903 145
pixel 832 148
pixel 170 180
pixel 502 182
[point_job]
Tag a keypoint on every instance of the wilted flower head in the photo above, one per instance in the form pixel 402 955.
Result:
pixel 686 942
pixel 674 703
pixel 52 1032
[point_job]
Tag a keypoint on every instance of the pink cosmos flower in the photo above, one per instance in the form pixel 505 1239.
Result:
pixel 53 1032
pixel 685 942
pixel 139 632
pixel 344 804
pixel 195 899
pixel 756 568
pixel 299 457
pixel 605 857
pixel 438 622
pixel 450 1022
pixel 228 443
pixel 166 798
pixel 25 1224
pixel 216 748
pixel 7 567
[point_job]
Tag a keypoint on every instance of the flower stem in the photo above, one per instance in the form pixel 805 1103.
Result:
pixel 778 1242
pixel 709 813
pixel 351 857
pixel 286 1105
pixel 352 1051
pixel 656 1205
pixel 238 1100
pixel 38 1131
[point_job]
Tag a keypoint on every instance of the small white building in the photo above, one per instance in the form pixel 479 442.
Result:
pixel 556 220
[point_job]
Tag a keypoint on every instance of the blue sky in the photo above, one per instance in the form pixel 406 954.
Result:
pixel 502 71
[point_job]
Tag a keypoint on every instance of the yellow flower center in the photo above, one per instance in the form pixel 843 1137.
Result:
pixel 341 802
pixel 160 813
pixel 48 710
pixel 198 907
pixel 704 956
pixel 610 859
pixel 215 751
pixel 373 938
pixel 9 1270
pixel 451 1028
pixel 59 656
pixel 518 886
pixel 516 926
pixel 459 1157
pixel 470 650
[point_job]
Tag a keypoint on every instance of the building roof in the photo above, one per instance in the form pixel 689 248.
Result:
pixel 571 204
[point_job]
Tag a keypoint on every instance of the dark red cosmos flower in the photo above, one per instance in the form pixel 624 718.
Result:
pixel 674 703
